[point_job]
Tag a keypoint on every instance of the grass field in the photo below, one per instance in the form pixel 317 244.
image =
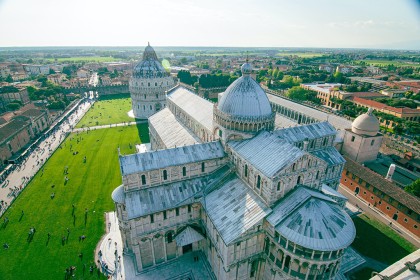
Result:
pixel 300 54
pixel 108 110
pixel 83 59
pixel 89 187
pixel 379 242
pixel 388 62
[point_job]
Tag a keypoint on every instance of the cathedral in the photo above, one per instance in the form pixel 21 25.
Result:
pixel 258 202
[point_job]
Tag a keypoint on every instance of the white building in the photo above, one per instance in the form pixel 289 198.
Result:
pixel 259 203
pixel 148 85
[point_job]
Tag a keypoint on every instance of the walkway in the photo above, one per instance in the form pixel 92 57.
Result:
pixel 364 206
pixel 108 126
pixel 21 176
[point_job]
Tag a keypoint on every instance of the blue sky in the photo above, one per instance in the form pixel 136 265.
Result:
pixel 245 23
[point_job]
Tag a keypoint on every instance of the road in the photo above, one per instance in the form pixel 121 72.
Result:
pixel 20 177
pixel 374 212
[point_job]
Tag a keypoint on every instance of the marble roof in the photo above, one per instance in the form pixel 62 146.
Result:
pixel 267 152
pixel 196 107
pixel 313 220
pixel 171 131
pixel 141 162
pixel 234 209
pixel 309 131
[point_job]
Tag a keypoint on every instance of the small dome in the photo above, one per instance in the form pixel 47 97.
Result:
pixel 246 69
pixel 118 195
pixel 245 98
pixel 149 66
pixel 366 124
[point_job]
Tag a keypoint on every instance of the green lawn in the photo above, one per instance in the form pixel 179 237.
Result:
pixel 379 242
pixel 388 62
pixel 108 110
pixel 90 185
pixel 84 59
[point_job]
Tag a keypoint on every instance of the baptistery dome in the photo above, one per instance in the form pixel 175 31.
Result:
pixel 148 85
pixel 366 124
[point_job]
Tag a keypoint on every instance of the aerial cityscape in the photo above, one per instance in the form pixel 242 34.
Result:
pixel 188 140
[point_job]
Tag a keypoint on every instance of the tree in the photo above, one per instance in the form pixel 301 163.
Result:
pixel 13 106
pixel 414 188
pixel 184 60
pixel 9 79
pixel 51 71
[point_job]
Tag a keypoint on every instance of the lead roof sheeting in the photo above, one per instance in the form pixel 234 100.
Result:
pixel 234 209
pixel 310 131
pixel 170 157
pixel 172 132
pixel 188 236
pixel 330 191
pixel 151 200
pixel 330 155
pixel 336 121
pixel 267 152
pixel 313 220
pixel 198 108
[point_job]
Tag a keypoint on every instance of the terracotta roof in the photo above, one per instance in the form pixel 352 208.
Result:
pixel 12 127
pixel 383 185
pixel 381 106
pixel 367 94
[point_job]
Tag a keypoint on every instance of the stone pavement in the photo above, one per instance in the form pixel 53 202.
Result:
pixel 21 176
pixel 108 126
pixel 184 267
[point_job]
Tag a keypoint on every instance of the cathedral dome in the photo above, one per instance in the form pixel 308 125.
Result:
pixel 244 98
pixel 366 124
pixel 149 66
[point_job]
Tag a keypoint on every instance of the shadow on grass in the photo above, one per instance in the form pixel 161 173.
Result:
pixel 374 242
pixel 114 96
pixel 143 130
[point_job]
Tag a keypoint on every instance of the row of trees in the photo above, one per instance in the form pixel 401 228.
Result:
pixel 207 80
pixel 300 94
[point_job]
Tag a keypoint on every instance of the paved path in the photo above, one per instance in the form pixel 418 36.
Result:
pixel 20 177
pixel 376 213
pixel 108 126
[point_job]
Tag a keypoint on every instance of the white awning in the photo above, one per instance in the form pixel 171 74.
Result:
pixel 188 236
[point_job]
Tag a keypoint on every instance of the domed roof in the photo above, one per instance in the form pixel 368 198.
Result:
pixel 118 195
pixel 366 124
pixel 149 66
pixel 245 98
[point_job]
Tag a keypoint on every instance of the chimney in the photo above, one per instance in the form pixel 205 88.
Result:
pixel 390 172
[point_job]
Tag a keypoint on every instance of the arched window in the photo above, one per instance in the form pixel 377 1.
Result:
pixel 143 179
pixel 165 175
pixel 148 84
pixel 157 96
pixel 184 171
pixel 145 96
pixel 278 186
pixel 246 170
pixel 299 180
pixel 155 84
pixel 258 181
pixel 203 167
pixel 254 267
pixel 294 167
pixel 317 175
pixel 309 162
pixel 169 237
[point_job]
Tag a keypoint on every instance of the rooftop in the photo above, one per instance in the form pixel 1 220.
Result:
pixel 234 209
pixel 169 157
pixel 381 106
pixel 303 132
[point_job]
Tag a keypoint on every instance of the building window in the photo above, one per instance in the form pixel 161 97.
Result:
pixel 148 84
pixel 409 212
pixel 364 192
pixel 152 219
pixel 155 84
pixel 169 237
pixel 157 96
pixel 352 138
pixel 299 180
pixel 371 197
pixel 177 211
pixel 372 142
pixel 258 181
pixel 278 186
pixel 406 220
pixel 151 107
pixel 294 167
pixel 317 175
pixel 145 96
pixel 254 267
pixel 203 167
pixel 184 171
pixel 165 175
pixel 143 179
pixel 164 215
pixel 387 208
pixel 360 181
pixel 415 226
pixel 246 170
pixel 189 208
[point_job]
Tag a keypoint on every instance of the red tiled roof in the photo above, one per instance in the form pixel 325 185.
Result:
pixel 381 106
pixel 383 185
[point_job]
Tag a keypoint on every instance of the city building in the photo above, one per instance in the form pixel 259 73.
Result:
pixel 148 85
pixel 259 203
pixel 406 268
pixel 35 70
pixel 361 143
pixel 20 94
